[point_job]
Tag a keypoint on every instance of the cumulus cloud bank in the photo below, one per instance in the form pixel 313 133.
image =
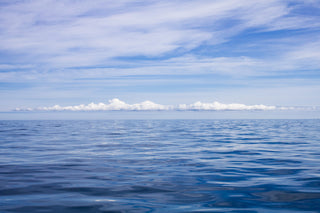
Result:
pixel 219 106
pixel 116 105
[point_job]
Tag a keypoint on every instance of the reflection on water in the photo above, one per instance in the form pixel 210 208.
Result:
pixel 160 166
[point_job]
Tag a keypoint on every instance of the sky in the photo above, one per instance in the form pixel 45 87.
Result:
pixel 175 55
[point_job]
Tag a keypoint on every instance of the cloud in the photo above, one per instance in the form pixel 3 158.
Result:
pixel 74 49
pixel 219 106
pixel 81 33
pixel 49 38
pixel 116 105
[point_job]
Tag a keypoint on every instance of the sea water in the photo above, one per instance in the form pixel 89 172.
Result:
pixel 160 166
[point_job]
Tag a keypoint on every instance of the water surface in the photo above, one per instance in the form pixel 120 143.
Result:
pixel 160 166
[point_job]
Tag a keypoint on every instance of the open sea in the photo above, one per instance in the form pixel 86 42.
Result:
pixel 160 166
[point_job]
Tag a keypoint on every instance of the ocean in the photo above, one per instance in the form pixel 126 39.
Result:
pixel 160 166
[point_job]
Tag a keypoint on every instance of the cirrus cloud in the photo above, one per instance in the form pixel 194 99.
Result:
pixel 82 33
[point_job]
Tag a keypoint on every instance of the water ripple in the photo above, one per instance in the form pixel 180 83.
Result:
pixel 160 166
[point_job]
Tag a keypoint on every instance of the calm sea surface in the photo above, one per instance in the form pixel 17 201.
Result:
pixel 160 166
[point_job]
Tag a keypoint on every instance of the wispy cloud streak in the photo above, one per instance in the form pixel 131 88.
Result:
pixel 82 33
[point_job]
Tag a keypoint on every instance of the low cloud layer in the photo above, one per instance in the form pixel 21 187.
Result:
pixel 116 105
pixel 219 106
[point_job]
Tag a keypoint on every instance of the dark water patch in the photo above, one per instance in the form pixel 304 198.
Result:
pixel 237 152
pixel 313 183
pixel 14 170
pixel 286 196
pixel 276 161
pixel 31 189
pixel 98 191
pixel 59 208
pixel 273 172
pixel 145 189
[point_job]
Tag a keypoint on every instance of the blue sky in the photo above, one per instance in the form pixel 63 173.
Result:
pixel 173 52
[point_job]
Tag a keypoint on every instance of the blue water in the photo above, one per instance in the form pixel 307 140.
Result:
pixel 160 166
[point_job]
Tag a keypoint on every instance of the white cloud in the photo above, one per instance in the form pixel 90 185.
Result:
pixel 116 104
pixel 14 66
pixel 54 36
pixel 58 50
pixel 307 54
pixel 82 33
pixel 219 106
